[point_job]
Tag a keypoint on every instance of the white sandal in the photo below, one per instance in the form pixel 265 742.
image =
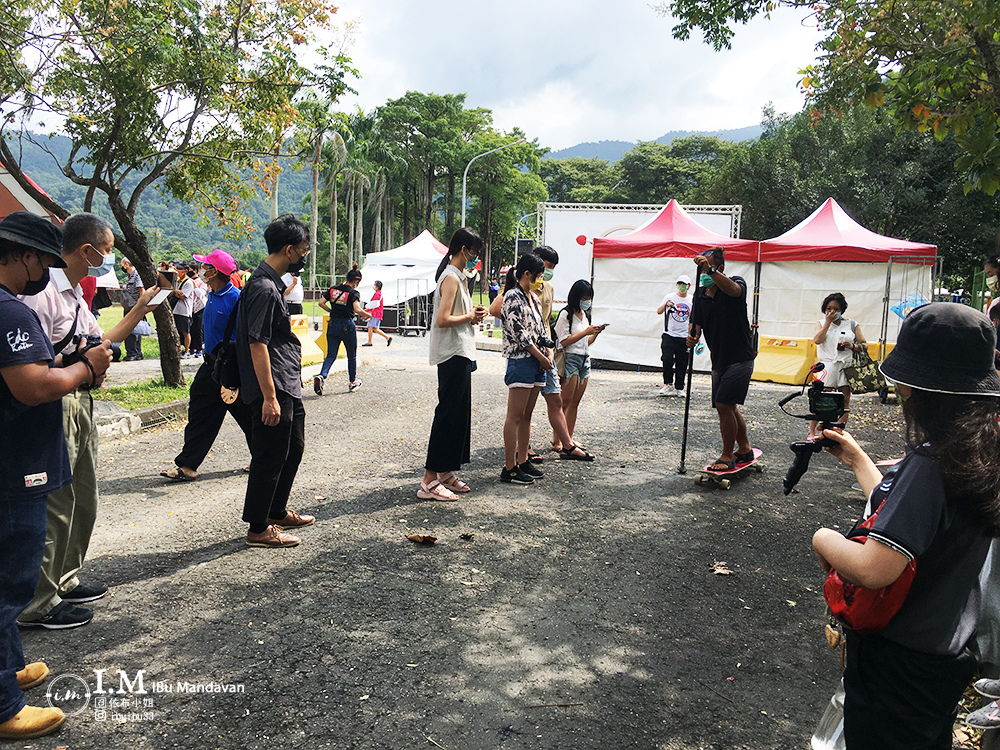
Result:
pixel 452 482
pixel 436 491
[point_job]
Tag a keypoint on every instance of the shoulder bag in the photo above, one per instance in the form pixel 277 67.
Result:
pixel 866 610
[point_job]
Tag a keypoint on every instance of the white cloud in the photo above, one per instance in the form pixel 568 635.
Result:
pixel 567 72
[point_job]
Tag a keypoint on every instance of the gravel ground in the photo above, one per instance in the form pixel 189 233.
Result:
pixel 581 612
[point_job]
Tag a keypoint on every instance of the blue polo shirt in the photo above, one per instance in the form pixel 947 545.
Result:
pixel 218 308
pixel 33 457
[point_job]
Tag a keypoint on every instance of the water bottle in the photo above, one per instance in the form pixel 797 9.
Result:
pixel 829 734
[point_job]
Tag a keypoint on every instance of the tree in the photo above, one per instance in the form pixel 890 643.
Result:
pixel 932 65
pixel 503 187
pixel 578 180
pixel 185 95
pixel 656 172
pixel 900 184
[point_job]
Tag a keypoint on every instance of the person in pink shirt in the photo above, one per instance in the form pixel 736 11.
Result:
pixel 377 309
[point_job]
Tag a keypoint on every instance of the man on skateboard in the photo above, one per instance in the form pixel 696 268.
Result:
pixel 720 311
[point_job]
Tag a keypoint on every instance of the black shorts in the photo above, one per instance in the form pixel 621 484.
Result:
pixel 183 323
pixel 730 386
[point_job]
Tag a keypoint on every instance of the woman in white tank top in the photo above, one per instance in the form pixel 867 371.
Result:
pixel 453 351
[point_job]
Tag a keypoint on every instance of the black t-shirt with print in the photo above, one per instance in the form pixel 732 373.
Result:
pixel 920 521
pixel 723 320
pixel 341 298
pixel 33 455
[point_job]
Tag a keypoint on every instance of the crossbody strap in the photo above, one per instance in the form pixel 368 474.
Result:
pixel 69 336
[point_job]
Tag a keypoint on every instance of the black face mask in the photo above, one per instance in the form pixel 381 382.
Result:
pixel 297 266
pixel 34 287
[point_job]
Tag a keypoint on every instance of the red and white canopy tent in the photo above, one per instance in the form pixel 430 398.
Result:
pixel 15 198
pixel 633 272
pixel 872 271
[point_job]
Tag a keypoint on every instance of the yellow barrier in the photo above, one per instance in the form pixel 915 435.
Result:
pixel 787 360
pixel 784 360
pixel 311 353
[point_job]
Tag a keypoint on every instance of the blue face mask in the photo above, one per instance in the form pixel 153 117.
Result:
pixel 585 304
pixel 706 281
pixel 107 266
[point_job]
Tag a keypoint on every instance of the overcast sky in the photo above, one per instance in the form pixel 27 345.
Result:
pixel 567 72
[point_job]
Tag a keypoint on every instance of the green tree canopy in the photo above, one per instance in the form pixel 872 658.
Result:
pixel 185 94
pixel 932 65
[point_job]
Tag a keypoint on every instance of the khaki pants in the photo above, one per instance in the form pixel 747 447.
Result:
pixel 71 511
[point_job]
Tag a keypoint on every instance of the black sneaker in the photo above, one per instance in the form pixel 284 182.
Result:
pixel 318 385
pixel 85 592
pixel 515 476
pixel 529 468
pixel 62 617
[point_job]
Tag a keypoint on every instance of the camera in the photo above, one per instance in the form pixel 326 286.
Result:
pixel 827 408
pixel 545 343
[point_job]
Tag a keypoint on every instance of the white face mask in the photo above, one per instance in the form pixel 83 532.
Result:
pixel 585 304
pixel 107 266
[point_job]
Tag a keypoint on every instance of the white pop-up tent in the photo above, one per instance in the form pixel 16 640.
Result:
pixel 406 271
pixel 633 272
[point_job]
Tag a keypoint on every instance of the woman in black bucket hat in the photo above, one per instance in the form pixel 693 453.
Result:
pixel 940 507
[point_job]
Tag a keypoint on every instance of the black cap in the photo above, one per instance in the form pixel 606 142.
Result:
pixel 945 347
pixel 30 230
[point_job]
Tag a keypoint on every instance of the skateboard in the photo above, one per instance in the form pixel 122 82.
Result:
pixel 724 478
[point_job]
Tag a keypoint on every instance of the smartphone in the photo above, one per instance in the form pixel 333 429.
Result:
pixel 159 297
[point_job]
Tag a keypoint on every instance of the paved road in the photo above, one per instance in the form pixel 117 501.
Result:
pixel 581 612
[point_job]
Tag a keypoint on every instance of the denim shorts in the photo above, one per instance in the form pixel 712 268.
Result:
pixel 577 364
pixel 374 322
pixel 523 372
pixel 551 383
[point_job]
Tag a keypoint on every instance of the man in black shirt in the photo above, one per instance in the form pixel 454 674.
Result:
pixel 270 362
pixel 720 310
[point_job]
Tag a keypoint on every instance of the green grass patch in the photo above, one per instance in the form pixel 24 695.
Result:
pixel 138 395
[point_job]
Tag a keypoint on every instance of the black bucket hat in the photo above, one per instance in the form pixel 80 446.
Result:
pixel 25 228
pixel 945 347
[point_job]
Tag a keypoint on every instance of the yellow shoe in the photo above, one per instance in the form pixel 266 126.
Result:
pixel 33 674
pixel 31 722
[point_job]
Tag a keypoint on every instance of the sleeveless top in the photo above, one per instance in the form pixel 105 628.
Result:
pixel 457 341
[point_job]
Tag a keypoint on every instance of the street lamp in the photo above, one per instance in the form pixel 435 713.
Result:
pixel 465 174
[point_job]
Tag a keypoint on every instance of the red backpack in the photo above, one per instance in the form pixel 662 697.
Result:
pixel 866 610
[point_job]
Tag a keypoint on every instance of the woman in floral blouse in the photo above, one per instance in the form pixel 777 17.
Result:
pixel 526 367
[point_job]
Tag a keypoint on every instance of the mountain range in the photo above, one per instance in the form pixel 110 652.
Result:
pixel 613 150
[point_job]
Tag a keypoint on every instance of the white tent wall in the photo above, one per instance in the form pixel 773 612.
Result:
pixel 791 294
pixel 399 283
pixel 627 292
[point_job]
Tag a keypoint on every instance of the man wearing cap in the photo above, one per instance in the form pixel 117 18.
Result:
pixel 72 510
pixel 676 311
pixel 206 407
pixel 35 461
pixel 720 311
pixel 130 298
pixel 184 307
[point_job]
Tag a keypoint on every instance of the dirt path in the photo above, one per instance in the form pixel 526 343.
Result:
pixel 581 612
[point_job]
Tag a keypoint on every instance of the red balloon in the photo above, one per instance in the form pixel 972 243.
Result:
pixel 581 240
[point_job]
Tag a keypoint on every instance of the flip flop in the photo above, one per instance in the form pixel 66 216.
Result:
pixel 726 465
pixel 534 457
pixel 566 454
pixel 452 482
pixel 744 458
pixel 436 491
pixel 176 475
